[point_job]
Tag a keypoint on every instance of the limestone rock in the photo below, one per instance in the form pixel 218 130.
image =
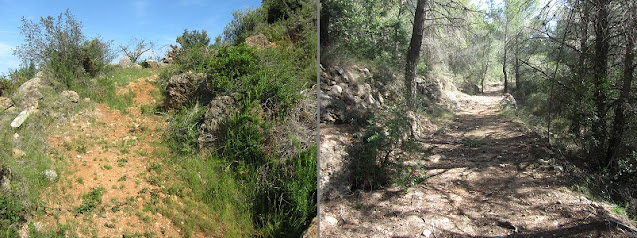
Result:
pixel 17 122
pixel 218 111
pixel 181 88
pixel 259 41
pixel 126 62
pixel 330 220
pixel 31 84
pixel 430 89
pixel 151 64
pixel 71 95
pixel 17 153
pixel 312 231
pixel 508 101
pixel 5 103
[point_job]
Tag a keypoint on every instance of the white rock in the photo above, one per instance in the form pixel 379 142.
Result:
pixel 426 233
pixel 337 89
pixel 331 220
pixel 50 174
pixel 17 122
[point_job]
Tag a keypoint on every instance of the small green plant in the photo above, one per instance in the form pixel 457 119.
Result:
pixel 90 201
pixel 122 162
pixel 81 149
pixel 80 180
pixel 108 167
pixel 409 176
pixel 471 142
pixel 123 178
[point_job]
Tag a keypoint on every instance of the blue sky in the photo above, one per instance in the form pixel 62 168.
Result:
pixel 121 21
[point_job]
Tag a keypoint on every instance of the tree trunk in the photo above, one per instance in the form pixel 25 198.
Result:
pixel 324 24
pixel 414 50
pixel 504 60
pixel 397 27
pixel 620 119
pixel 600 61
pixel 516 66
pixel 484 76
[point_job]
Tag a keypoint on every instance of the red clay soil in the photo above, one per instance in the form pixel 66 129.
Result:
pixel 108 148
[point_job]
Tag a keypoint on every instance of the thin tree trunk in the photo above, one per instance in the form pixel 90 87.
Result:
pixel 414 50
pixel 504 60
pixel 516 66
pixel 397 27
pixel 600 62
pixel 484 75
pixel 324 24
pixel 620 119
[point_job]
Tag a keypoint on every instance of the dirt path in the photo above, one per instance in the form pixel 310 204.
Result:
pixel 488 178
pixel 114 151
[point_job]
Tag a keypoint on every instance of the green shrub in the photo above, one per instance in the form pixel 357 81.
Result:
pixel 11 214
pixel 244 137
pixel 184 129
pixel 285 195
pixel 243 24
pixel 59 45
pixel 90 201
pixel 371 163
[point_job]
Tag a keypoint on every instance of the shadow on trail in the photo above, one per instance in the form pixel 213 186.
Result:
pixel 491 178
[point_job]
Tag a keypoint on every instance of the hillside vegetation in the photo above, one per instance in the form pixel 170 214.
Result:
pixel 434 106
pixel 218 139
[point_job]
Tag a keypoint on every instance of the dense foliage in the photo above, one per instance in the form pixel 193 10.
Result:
pixel 265 83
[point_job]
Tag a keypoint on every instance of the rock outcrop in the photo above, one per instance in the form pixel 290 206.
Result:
pixel 28 94
pixel 182 88
pixel 5 103
pixel 126 62
pixel 471 89
pixel 344 95
pixel 259 41
pixel 151 64
pixel 218 111
pixel 508 101
pixel 71 96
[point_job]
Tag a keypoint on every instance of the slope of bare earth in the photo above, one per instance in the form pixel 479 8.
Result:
pixel 116 151
pixel 487 178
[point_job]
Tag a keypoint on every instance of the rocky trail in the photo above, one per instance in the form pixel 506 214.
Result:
pixel 487 177
pixel 109 188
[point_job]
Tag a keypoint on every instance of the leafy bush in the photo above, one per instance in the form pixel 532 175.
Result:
pixel 243 24
pixel 11 214
pixel 280 9
pixel 194 53
pixel 193 39
pixel 59 45
pixel 231 63
pixel 371 163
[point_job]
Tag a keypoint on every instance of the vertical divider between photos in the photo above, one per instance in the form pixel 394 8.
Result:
pixel 318 119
